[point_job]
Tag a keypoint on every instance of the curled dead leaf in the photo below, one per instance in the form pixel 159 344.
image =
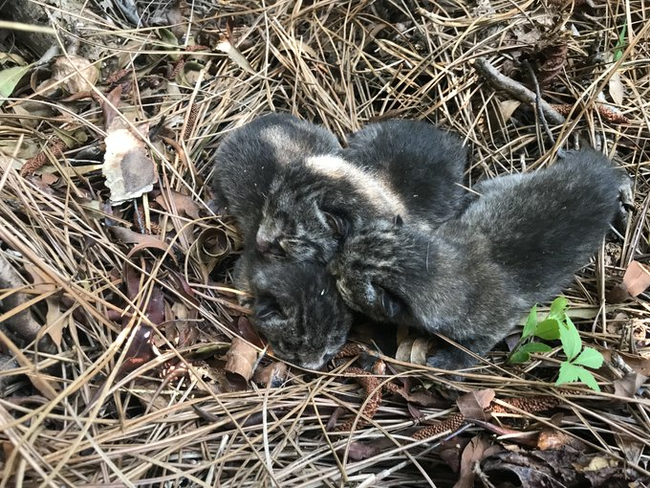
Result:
pixel 75 73
pixel 241 359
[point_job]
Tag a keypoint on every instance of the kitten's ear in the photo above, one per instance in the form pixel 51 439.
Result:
pixel 392 304
pixel 339 224
pixel 397 221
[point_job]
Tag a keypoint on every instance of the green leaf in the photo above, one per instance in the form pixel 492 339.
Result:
pixel 589 357
pixel 548 329
pixel 9 78
pixel 570 338
pixel 518 357
pixel 531 323
pixel 535 347
pixel 558 308
pixel 588 379
pixel 568 373
pixel 619 48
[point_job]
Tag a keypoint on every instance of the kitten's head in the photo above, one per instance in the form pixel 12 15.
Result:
pixel 297 308
pixel 306 214
pixel 371 268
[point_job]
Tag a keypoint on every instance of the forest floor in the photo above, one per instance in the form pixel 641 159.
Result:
pixel 125 359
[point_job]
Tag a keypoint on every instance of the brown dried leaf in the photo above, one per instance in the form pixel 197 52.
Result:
pixel 181 204
pixel 127 168
pixel 507 108
pixel 127 236
pixel 273 375
pixel 235 55
pixel 76 73
pixel 628 385
pixel 556 439
pixel 477 450
pixel 616 88
pixel 413 350
pixel 140 351
pixel 473 404
pixel 637 278
pixel 241 359
pixel 632 449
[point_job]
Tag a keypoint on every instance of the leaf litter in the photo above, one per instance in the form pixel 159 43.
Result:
pixel 131 283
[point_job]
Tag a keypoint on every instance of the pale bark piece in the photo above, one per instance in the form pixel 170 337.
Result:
pixel 128 170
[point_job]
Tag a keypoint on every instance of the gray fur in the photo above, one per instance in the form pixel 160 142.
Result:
pixel 295 305
pixel 517 244
pixel 297 308
pixel 421 163
pixel 250 157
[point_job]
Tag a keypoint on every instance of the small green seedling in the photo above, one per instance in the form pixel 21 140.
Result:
pixel 558 325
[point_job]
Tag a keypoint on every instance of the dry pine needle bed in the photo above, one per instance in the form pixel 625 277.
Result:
pixel 125 359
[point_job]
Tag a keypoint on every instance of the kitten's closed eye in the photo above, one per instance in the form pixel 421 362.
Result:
pixel 267 308
pixel 392 304
pixel 338 224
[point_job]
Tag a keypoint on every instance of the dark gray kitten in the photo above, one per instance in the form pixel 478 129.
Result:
pixel 422 164
pixel 250 157
pixel 517 244
pixel 297 308
pixel 295 305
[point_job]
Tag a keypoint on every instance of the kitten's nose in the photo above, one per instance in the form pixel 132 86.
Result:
pixel 269 246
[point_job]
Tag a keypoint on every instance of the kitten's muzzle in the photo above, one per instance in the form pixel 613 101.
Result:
pixel 269 246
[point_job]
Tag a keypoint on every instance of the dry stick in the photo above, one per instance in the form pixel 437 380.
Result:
pixel 515 89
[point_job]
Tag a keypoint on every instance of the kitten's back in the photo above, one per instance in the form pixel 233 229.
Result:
pixel 546 224
pixel 424 165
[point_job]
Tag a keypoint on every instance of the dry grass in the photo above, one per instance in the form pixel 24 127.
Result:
pixel 78 418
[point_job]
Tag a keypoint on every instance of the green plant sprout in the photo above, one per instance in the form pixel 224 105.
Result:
pixel 558 325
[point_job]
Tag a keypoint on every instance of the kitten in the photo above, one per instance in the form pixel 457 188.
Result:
pixel 421 163
pixel 297 308
pixel 250 157
pixel 312 206
pixel 295 305
pixel 517 244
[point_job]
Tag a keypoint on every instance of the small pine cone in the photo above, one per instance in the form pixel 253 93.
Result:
pixel 371 386
pixel 530 405
pixel 392 388
pixel 56 146
pixel 191 120
pixel 612 115
pixel 180 64
pixel 350 350
pixel 452 424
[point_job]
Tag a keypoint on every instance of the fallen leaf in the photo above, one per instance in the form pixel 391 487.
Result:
pixel 241 359
pixel 140 351
pixel 477 450
pixel 180 204
pixel 556 439
pixel 413 350
pixel 127 168
pixel 235 55
pixel 507 108
pixel 273 375
pixel 632 448
pixel 9 78
pixel 628 385
pixel 636 279
pixel 75 73
pixel 473 404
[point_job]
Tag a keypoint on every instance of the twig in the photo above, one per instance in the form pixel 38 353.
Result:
pixel 515 89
